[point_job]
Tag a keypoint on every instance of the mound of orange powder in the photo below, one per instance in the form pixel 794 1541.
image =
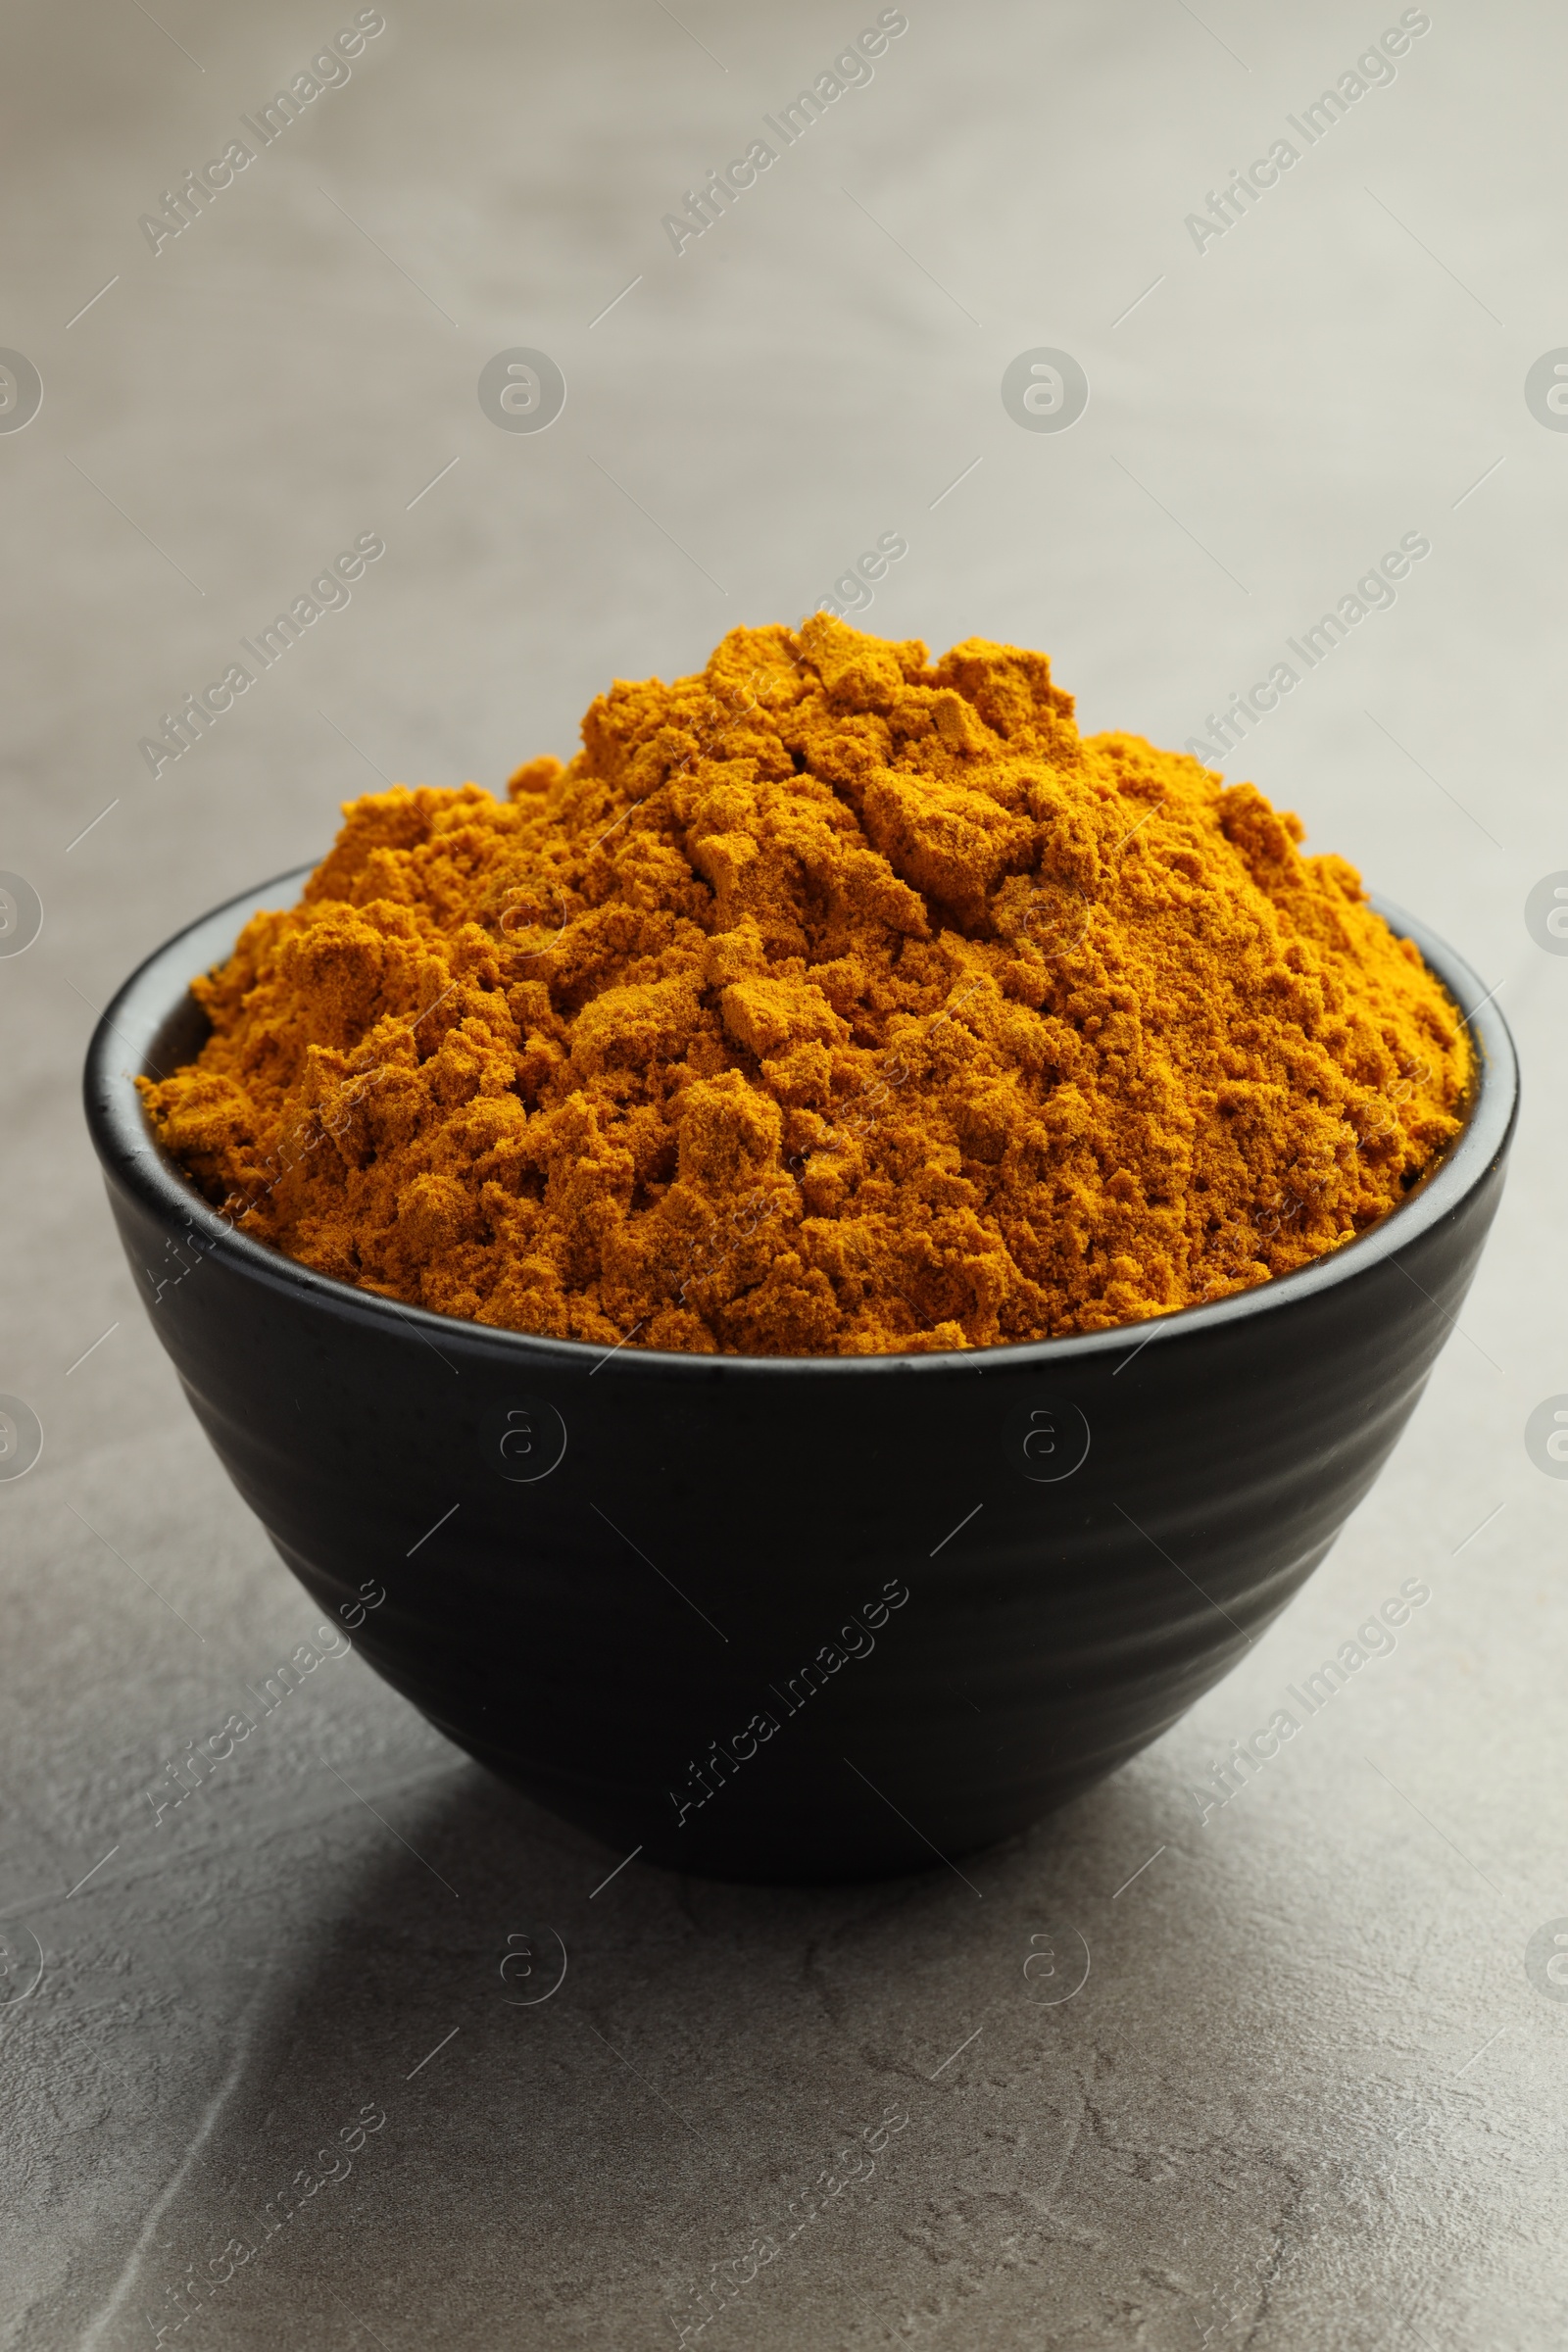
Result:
pixel 830 1002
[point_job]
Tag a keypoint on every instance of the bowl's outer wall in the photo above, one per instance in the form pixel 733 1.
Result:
pixel 617 1636
pixel 594 1634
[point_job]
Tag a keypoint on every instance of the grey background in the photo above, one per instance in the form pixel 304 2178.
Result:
pixel 1308 2095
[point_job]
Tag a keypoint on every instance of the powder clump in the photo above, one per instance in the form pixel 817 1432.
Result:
pixel 828 1003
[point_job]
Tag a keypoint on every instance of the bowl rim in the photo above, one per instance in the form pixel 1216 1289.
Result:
pixel 132 1155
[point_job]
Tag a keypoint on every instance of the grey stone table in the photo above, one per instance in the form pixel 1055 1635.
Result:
pixel 1310 2094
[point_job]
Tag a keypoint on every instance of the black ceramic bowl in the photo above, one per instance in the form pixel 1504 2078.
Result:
pixel 799 1618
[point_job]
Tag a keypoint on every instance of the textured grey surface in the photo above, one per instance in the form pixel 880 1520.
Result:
pixel 1308 2095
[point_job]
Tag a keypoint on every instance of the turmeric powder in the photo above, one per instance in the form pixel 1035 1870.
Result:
pixel 828 1003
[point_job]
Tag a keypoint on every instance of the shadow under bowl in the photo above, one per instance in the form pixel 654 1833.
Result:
pixel 803 1618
